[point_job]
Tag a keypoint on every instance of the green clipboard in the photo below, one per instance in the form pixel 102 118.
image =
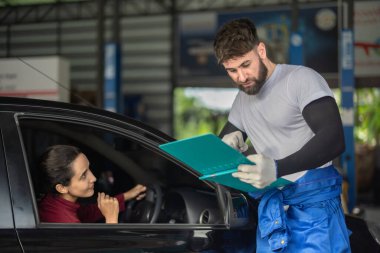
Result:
pixel 214 160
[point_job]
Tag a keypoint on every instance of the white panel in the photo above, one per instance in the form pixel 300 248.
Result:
pixel 367 38
pixel 19 77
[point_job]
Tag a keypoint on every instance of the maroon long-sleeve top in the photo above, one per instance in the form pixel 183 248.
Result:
pixel 53 208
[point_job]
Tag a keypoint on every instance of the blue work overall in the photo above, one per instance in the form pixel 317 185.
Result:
pixel 314 220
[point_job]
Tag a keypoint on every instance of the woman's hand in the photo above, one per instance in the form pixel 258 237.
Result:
pixel 137 192
pixel 109 207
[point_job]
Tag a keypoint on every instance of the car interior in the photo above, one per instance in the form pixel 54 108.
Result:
pixel 119 161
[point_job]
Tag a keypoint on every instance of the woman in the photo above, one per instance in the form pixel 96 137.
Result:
pixel 68 175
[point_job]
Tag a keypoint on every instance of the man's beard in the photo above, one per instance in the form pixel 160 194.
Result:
pixel 259 82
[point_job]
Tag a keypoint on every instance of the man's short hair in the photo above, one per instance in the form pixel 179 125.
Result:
pixel 235 39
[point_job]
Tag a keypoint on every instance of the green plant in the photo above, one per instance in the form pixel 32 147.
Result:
pixel 367 120
pixel 191 117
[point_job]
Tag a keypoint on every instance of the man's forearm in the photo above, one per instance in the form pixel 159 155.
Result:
pixel 323 118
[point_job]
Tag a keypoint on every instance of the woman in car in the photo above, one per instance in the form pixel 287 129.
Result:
pixel 68 175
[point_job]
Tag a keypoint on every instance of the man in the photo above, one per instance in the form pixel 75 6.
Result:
pixel 292 120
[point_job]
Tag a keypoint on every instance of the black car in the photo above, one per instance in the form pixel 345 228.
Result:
pixel 179 214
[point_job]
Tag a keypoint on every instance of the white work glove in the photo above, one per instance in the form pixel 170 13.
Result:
pixel 260 175
pixel 235 140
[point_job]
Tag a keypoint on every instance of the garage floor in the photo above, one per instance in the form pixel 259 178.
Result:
pixel 369 206
pixel 372 213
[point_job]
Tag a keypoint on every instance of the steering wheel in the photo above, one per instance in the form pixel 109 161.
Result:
pixel 146 210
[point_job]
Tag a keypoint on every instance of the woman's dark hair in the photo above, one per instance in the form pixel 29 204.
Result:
pixel 235 39
pixel 55 164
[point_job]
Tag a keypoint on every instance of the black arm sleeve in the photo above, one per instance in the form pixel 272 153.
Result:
pixel 322 116
pixel 229 128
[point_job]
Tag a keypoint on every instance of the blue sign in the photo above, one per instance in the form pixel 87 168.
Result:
pixel 112 93
pixel 316 47
pixel 296 54
pixel 347 88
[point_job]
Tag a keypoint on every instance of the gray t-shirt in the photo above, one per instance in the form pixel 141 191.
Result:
pixel 273 118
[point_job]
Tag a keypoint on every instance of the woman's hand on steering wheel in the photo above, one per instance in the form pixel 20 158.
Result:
pixel 147 210
pixel 137 192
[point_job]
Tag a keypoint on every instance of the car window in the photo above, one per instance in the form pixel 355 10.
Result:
pixel 119 161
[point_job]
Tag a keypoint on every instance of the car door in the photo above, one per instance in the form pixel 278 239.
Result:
pixel 125 147
pixel 8 237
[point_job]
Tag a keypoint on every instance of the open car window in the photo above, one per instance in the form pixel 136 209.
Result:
pixel 119 161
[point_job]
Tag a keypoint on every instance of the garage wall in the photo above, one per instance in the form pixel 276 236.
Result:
pixel 146 57
pixel 146 65
pixel 76 42
pixel 145 33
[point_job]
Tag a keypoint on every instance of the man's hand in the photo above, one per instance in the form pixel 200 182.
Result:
pixel 260 175
pixel 137 192
pixel 235 140
pixel 109 207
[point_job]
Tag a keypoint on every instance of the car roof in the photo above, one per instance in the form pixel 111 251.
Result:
pixel 16 104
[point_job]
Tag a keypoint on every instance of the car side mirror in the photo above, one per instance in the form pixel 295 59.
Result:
pixel 237 211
